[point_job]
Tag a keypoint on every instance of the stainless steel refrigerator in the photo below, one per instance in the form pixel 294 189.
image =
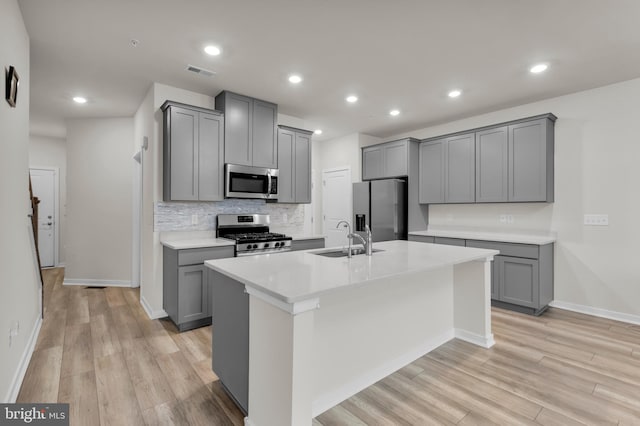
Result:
pixel 381 204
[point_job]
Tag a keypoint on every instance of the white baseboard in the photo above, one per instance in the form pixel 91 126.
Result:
pixel 248 422
pixel 160 313
pixel 597 312
pixel 97 283
pixel 335 397
pixel 476 339
pixel 18 377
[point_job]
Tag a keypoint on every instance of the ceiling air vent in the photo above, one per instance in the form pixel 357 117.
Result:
pixel 200 71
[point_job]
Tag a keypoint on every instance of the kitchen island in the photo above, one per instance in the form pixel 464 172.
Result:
pixel 306 332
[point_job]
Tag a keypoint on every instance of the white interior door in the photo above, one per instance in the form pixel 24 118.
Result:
pixel 43 183
pixel 337 203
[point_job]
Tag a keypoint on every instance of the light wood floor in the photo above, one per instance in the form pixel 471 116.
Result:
pixel 98 351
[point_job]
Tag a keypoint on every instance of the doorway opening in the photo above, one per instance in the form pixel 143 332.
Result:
pixel 46 187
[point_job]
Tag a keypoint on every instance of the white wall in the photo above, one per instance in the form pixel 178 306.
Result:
pixel 50 152
pixel 99 193
pixel 334 153
pixel 148 122
pixel 19 284
pixel 597 150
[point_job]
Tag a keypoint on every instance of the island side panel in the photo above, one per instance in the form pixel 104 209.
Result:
pixel 230 336
pixel 472 302
pixel 280 366
pixel 363 334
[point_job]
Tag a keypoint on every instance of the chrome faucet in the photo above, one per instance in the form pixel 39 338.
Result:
pixel 366 243
pixel 348 226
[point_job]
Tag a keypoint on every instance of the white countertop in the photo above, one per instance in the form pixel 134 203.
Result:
pixel 178 242
pixel 477 234
pixel 181 244
pixel 299 275
pixel 298 237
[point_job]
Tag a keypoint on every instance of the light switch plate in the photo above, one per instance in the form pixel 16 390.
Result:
pixel 596 219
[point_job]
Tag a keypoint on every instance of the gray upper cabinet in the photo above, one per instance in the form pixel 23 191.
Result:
pixel 492 165
pixel 512 162
pixel 447 170
pixel 460 177
pixel 294 164
pixel 372 163
pixel 386 160
pixel 432 172
pixel 531 146
pixel 193 149
pixel 250 130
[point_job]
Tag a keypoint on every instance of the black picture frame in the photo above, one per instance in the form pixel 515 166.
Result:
pixel 12 81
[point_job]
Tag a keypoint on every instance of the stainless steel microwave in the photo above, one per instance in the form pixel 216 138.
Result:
pixel 250 182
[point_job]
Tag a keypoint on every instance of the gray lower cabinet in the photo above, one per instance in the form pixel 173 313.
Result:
pixel 450 241
pixel 517 278
pixel 421 238
pixel 307 244
pixel 250 130
pixel 193 150
pixel 447 170
pixel 521 275
pixel 386 160
pixel 186 297
pixel 294 164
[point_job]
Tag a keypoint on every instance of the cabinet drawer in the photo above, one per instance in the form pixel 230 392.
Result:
pixel 421 238
pixel 199 255
pixel 450 241
pixel 307 244
pixel 507 249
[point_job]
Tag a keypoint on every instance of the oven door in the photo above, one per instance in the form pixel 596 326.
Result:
pixel 250 182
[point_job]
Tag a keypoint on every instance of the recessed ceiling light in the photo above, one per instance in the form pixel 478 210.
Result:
pixel 295 79
pixel 317 132
pixel 455 93
pixel 538 68
pixel 352 98
pixel 80 100
pixel 212 50
pixel 394 112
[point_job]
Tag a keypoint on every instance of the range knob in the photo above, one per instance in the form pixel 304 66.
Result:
pixel 277 244
pixel 266 245
pixel 255 246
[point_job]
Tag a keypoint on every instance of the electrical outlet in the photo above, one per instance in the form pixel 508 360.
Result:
pixel 510 218
pixel 596 219
pixel 194 219
pixel 285 217
pixel 503 218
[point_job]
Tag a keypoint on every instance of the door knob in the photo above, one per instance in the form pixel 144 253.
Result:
pixel 49 223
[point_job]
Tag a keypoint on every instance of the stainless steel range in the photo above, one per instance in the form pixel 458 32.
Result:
pixel 251 234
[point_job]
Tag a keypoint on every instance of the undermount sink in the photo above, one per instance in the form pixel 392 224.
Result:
pixel 343 252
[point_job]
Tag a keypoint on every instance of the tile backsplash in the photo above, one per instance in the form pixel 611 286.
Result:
pixel 201 216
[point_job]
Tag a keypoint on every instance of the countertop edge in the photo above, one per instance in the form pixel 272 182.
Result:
pixel 488 236
pixel 487 255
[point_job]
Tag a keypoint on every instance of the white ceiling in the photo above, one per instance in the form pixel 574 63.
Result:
pixel 394 54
